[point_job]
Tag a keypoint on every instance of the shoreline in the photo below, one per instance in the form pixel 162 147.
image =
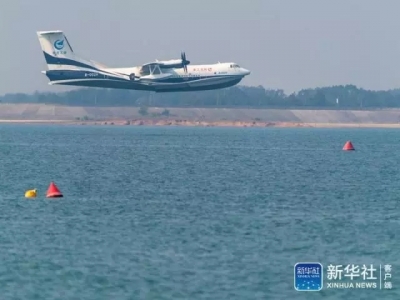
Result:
pixel 199 117
pixel 195 123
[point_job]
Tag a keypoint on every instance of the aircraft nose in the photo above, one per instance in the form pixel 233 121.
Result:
pixel 246 72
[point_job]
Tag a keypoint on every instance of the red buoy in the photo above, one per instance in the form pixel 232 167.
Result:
pixel 53 191
pixel 348 146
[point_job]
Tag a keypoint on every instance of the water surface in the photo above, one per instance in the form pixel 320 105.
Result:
pixel 193 213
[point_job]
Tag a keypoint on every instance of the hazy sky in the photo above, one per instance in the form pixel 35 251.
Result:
pixel 288 44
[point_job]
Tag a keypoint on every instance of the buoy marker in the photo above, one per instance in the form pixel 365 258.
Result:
pixel 53 191
pixel 348 146
pixel 30 193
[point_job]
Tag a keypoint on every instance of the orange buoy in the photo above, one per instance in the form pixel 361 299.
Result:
pixel 53 191
pixel 348 146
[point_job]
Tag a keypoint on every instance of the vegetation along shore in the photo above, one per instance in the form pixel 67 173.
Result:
pixel 239 106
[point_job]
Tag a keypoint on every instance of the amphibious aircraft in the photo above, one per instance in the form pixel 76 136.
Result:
pixel 67 68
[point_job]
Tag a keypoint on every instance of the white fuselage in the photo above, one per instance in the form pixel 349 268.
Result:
pixel 197 77
pixel 222 69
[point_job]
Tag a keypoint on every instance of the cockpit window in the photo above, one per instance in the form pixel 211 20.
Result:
pixel 156 70
pixel 235 66
pixel 144 71
pixel 150 70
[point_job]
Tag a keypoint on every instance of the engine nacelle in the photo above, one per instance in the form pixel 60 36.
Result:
pixel 175 63
pixel 171 66
pixel 172 62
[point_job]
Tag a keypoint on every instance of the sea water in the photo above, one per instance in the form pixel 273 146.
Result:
pixel 195 213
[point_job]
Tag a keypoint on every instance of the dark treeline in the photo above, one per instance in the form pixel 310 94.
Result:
pixel 335 97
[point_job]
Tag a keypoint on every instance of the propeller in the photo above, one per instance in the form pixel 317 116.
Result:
pixel 185 62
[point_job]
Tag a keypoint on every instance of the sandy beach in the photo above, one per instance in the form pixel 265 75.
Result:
pixel 147 122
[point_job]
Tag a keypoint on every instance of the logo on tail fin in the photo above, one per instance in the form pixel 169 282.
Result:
pixel 59 44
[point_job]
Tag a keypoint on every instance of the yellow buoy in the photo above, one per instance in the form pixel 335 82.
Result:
pixel 30 193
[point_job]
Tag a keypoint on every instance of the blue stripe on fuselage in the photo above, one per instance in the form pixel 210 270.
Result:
pixel 183 79
pixel 52 60
pixel 55 75
pixel 136 86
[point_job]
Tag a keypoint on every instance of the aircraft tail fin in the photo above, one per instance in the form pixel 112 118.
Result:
pixel 58 51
